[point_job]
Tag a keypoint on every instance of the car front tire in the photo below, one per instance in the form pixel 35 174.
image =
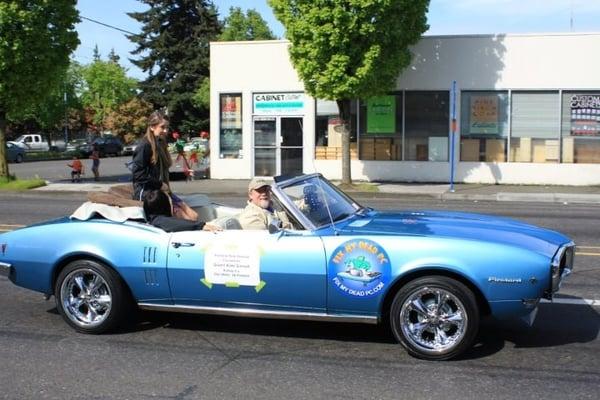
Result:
pixel 19 158
pixel 435 317
pixel 91 297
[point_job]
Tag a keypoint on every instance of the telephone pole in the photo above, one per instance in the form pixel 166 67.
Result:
pixel 66 119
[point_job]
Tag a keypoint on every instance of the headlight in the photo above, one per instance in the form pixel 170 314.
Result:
pixel 561 267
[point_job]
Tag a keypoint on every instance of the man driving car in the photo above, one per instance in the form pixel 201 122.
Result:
pixel 259 211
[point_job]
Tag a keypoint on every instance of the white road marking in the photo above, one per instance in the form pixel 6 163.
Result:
pixel 578 302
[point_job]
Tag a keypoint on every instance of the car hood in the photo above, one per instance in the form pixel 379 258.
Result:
pixel 460 225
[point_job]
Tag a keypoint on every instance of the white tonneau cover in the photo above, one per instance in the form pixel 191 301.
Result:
pixel 118 214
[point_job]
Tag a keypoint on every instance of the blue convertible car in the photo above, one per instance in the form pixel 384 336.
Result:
pixel 430 275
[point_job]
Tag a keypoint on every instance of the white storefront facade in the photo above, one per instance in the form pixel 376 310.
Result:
pixel 527 110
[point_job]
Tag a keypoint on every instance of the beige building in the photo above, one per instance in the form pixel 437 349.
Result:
pixel 527 109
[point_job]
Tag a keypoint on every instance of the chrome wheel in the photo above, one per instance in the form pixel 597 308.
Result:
pixel 86 297
pixel 433 319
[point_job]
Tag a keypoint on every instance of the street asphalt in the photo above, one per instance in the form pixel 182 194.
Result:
pixel 474 192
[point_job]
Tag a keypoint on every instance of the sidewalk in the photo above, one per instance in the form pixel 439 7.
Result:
pixel 473 192
pixel 527 193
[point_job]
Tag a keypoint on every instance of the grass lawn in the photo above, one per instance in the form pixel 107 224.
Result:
pixel 360 187
pixel 20 184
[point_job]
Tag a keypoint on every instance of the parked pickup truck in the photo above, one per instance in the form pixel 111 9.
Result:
pixel 36 142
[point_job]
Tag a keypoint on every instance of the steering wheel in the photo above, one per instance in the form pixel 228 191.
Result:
pixel 311 198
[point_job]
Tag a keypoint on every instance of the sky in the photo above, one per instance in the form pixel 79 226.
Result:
pixel 445 17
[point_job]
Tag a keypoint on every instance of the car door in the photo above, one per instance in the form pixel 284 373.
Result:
pixel 248 268
pixel 37 143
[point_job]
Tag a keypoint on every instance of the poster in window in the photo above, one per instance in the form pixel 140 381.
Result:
pixel 231 112
pixel 230 137
pixel 381 115
pixel 484 114
pixel 585 115
pixel 334 131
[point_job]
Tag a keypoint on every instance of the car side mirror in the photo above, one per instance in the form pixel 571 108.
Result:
pixel 274 225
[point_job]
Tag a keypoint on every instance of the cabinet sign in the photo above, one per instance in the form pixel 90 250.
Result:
pixel 278 104
pixel 585 115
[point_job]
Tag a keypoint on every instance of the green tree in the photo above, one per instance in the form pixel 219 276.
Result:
pixel 348 49
pixel 114 57
pixel 202 96
pixel 61 101
pixel 250 26
pixel 106 86
pixel 96 55
pixel 36 38
pixel 129 119
pixel 173 48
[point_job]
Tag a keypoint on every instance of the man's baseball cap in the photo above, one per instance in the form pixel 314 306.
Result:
pixel 257 183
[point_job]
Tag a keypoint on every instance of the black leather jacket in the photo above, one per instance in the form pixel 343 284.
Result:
pixel 146 176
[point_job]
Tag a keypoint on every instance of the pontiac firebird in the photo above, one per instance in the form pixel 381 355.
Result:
pixel 430 275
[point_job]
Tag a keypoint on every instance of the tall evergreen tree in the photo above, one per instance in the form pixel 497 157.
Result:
pixel 96 56
pixel 173 48
pixel 114 57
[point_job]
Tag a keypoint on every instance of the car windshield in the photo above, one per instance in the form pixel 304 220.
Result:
pixel 319 200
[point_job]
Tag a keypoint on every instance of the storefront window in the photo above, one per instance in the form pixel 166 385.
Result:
pixel 328 136
pixel 230 134
pixel 484 126
pixel 581 127
pixel 381 128
pixel 534 130
pixel 426 126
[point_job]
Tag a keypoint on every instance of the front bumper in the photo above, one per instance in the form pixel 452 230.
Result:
pixel 5 269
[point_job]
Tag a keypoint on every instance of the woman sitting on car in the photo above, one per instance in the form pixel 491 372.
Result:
pixel 150 165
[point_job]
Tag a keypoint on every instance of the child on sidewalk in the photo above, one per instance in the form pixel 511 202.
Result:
pixel 76 169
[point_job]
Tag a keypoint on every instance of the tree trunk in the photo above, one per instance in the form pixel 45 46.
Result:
pixel 344 108
pixel 3 163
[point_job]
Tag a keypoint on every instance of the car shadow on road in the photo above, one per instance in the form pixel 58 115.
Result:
pixel 351 332
pixel 555 325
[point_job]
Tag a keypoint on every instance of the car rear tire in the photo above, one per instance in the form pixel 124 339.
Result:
pixel 91 297
pixel 435 317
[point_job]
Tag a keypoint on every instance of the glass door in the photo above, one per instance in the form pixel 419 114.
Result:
pixel 278 145
pixel 291 145
pixel 265 146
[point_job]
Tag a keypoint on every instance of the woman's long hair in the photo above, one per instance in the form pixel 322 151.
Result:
pixel 155 119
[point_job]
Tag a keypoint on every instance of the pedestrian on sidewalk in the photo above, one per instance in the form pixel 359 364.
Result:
pixel 95 157
pixel 181 157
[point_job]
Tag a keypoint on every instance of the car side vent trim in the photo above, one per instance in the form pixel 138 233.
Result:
pixel 150 255
pixel 150 277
